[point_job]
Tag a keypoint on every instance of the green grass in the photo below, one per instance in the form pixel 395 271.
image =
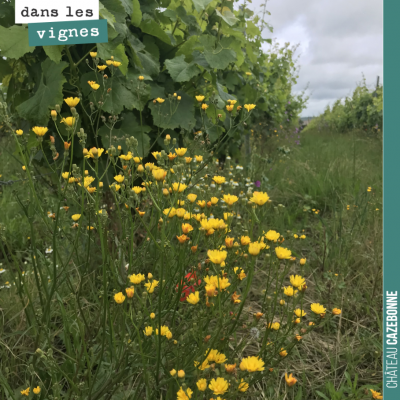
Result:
pixel 13 224
pixel 328 172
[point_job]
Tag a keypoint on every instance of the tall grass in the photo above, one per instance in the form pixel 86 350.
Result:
pixel 331 173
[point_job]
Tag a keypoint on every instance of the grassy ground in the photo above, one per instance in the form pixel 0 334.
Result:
pixel 331 174
pixel 323 185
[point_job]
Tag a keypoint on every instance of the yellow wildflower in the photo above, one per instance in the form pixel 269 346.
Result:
pixel 249 107
pixel 272 236
pixel 244 240
pixel 252 364
pixel 297 281
pixel 219 179
pixel 76 217
pixel 282 253
pixel 289 291
pixel 254 248
pixel 192 197
pixel 230 199
pixel 299 312
pixel 119 298
pixel 193 298
pixel 259 198
pixel 181 151
pixel 202 384
pixel 219 385
pixel 178 187
pixel 217 256
pixel 36 390
pixel 150 286
pixel 39 130
pixel 148 330
pixel 318 308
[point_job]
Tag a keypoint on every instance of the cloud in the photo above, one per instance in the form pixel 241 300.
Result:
pixel 339 42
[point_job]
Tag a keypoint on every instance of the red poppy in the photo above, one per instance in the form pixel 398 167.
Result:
pixel 186 290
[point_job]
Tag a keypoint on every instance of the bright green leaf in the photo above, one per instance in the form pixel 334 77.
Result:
pixel 151 27
pixel 54 52
pixel 180 70
pixel 200 5
pixel 106 50
pixel 105 14
pixel 48 94
pixel 227 15
pixel 182 115
pixel 116 8
pixel 14 41
pixel 136 17
pixel 219 58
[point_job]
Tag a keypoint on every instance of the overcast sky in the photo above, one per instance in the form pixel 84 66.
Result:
pixel 339 41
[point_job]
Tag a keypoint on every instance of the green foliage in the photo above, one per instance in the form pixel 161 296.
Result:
pixel 36 109
pixel 364 110
pixel 193 47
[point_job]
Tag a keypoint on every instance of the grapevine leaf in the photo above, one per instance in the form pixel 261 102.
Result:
pixel 54 52
pixel 48 94
pixel 106 50
pixel 128 6
pixel 149 64
pixel 199 59
pixel 251 55
pixel 201 5
pixel 187 47
pixel 220 57
pixel 119 98
pixel 151 27
pixel 223 93
pixel 252 30
pixel 214 132
pixel 136 17
pixel 174 114
pixel 14 41
pixel 105 14
pixel 180 70
pixel 236 45
pixel 116 8
pixel 227 15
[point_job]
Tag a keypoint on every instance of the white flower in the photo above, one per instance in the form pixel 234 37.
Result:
pixel 2 270
pixel 49 250
pixel 212 186
pixel 196 210
pixel 184 179
pixel 228 158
